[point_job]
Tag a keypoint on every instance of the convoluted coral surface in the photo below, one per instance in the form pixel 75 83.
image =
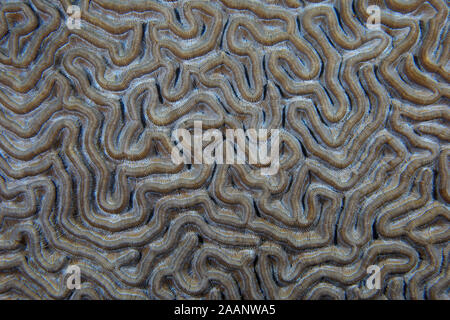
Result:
pixel 86 176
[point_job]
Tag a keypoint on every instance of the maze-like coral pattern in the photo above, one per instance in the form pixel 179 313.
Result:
pixel 86 176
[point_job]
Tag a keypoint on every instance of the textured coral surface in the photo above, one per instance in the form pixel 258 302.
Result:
pixel 86 176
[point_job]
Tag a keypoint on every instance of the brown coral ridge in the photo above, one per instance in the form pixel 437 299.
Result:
pixel 86 177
